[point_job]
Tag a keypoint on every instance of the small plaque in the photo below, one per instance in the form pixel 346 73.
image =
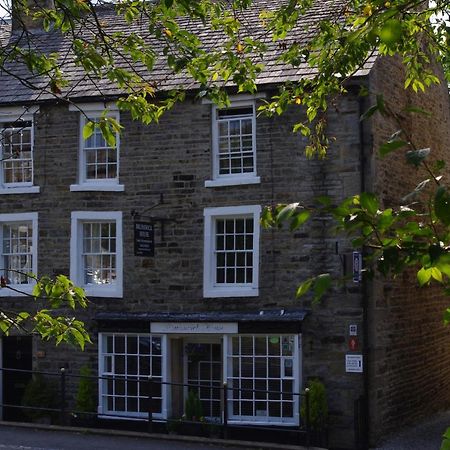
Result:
pixel 353 330
pixel 354 363
pixel 144 239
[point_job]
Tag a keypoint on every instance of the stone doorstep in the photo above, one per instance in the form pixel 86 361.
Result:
pixel 162 437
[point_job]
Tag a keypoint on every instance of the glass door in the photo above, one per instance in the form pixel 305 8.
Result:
pixel 204 374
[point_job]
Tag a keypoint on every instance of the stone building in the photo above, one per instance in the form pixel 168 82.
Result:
pixel 162 230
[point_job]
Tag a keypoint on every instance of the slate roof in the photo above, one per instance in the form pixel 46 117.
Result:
pixel 13 90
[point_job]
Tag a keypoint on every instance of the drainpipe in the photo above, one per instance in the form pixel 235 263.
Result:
pixel 365 297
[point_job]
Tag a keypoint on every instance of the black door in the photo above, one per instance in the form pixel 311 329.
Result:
pixel 17 354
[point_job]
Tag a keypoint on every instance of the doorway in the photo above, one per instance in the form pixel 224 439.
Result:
pixel 203 369
pixel 16 354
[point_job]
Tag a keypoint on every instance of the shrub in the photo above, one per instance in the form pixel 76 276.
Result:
pixel 41 393
pixel 318 406
pixel 85 400
pixel 193 407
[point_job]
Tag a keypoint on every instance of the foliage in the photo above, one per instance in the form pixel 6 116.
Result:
pixel 42 393
pixel 193 408
pixel 50 313
pixel 85 400
pixel 318 406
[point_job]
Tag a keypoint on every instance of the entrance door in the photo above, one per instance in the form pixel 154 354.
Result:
pixel 204 374
pixel 17 354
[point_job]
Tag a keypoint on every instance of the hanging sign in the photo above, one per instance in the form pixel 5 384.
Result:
pixel 144 239
pixel 357 266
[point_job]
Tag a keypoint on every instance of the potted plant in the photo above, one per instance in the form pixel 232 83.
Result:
pixel 193 422
pixel 318 411
pixel 85 400
pixel 41 397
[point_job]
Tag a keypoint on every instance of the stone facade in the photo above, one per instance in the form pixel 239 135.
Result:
pixel 173 158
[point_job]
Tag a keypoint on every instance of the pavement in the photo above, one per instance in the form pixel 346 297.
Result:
pixel 426 435
pixel 49 437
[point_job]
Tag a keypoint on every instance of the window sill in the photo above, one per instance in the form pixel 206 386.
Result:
pixel 25 288
pixel 115 292
pixel 232 181
pixel 97 187
pixel 20 190
pixel 212 292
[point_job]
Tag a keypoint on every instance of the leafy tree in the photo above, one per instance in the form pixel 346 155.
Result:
pixel 50 313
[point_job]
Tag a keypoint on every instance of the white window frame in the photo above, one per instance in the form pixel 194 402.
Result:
pixel 210 288
pixel 92 111
pixel 238 178
pixel 11 115
pixel 296 380
pixel 15 218
pixel 101 410
pixel 76 247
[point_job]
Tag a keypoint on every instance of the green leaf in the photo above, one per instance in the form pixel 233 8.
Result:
pixel 442 205
pixel 418 110
pixel 286 212
pixel 88 130
pixel 390 146
pixel 304 287
pixel 299 219
pixel 321 284
pixel 369 113
pixel 415 157
pixel 423 276
pixel 369 202
pixel 436 274
pixel 391 32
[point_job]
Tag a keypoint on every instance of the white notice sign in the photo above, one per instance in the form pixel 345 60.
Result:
pixel 354 363
pixel 194 327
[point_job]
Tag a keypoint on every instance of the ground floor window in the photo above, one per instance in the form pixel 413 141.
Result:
pixel 126 362
pixel 263 375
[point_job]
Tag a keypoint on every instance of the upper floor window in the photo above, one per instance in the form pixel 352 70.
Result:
pixel 18 257
pixel 234 144
pixel 16 151
pixel 96 252
pixel 98 160
pixel 231 259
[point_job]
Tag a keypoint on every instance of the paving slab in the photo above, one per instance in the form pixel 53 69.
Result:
pixel 426 435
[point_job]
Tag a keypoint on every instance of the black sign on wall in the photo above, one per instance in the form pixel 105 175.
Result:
pixel 144 239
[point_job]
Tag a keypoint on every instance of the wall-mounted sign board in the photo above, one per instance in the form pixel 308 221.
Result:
pixel 144 239
pixel 194 327
pixel 354 363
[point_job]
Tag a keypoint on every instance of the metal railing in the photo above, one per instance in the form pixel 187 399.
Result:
pixel 64 411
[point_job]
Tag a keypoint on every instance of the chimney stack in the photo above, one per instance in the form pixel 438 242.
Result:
pixel 23 21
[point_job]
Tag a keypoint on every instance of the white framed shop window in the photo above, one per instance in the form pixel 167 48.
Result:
pixel 126 360
pixel 263 363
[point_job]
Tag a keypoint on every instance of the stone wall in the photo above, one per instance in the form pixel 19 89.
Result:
pixel 409 344
pixel 174 158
